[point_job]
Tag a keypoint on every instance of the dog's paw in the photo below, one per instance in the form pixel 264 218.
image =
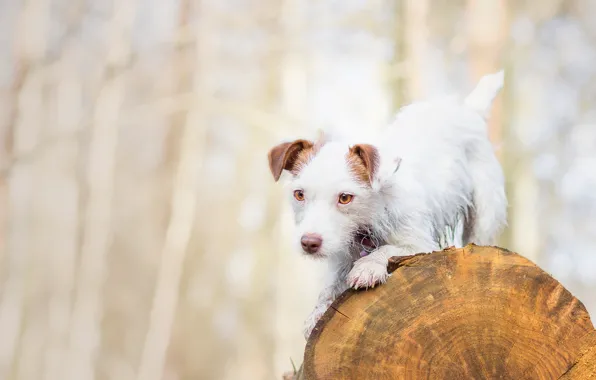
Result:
pixel 367 272
pixel 314 317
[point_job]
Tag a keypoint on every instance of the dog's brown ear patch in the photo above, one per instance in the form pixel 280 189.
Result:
pixel 288 156
pixel 363 159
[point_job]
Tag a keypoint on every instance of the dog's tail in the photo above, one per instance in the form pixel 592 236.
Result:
pixel 481 98
pixel 488 215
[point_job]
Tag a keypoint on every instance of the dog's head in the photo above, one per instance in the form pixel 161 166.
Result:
pixel 332 194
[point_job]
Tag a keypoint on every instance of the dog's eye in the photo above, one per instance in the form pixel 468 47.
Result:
pixel 344 198
pixel 299 195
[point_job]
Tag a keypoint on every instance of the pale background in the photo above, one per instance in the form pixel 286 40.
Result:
pixel 141 234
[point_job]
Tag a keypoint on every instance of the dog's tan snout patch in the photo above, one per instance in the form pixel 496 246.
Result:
pixel 311 243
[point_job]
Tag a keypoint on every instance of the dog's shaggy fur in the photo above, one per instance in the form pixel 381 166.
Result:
pixel 358 203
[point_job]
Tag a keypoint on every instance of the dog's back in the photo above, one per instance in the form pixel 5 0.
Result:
pixel 449 172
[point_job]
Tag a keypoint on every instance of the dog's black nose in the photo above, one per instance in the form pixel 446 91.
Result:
pixel 311 243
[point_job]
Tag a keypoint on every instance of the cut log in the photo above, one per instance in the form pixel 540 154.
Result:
pixel 469 313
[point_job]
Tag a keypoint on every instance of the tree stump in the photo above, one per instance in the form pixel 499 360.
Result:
pixel 468 313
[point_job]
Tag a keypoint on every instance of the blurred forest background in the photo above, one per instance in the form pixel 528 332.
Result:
pixel 141 234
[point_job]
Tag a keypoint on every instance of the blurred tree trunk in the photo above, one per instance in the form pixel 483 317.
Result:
pixel 85 333
pixel 60 200
pixel 397 74
pixel 183 203
pixel 22 334
pixel 522 187
pixel 488 30
pixel 415 19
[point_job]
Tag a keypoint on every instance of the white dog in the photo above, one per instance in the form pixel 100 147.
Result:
pixel 357 204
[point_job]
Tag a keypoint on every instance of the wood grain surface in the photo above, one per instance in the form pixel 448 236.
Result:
pixel 469 313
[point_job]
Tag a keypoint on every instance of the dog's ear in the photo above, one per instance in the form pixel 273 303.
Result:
pixel 369 155
pixel 284 156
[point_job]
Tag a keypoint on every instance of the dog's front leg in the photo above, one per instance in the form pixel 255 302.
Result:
pixel 371 270
pixel 325 300
pixel 336 284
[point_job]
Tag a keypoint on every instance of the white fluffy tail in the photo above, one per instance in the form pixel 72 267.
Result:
pixel 481 98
